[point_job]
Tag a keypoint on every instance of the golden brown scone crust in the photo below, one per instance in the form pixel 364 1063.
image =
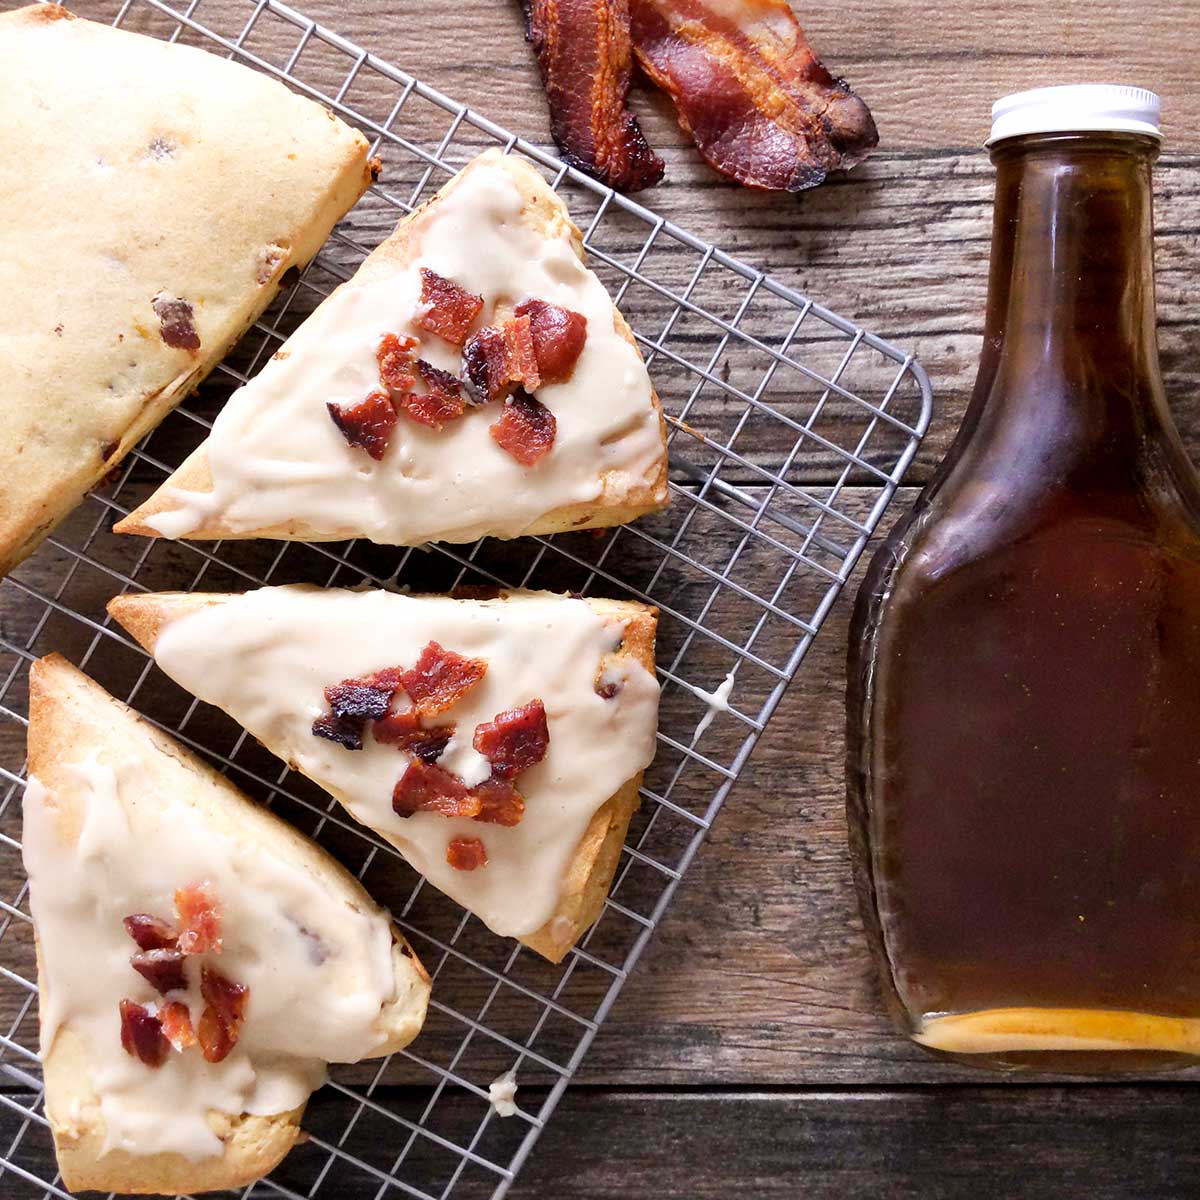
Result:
pixel 590 872
pixel 69 717
pixel 617 504
pixel 132 167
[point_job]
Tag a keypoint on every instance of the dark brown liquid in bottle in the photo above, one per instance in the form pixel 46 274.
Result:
pixel 1024 702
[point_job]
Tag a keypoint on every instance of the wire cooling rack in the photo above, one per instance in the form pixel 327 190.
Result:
pixel 764 393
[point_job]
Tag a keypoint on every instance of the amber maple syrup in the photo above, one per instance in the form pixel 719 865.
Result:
pixel 1024 698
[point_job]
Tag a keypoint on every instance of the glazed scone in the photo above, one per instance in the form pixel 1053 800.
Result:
pixel 486 274
pixel 497 743
pixel 151 198
pixel 123 822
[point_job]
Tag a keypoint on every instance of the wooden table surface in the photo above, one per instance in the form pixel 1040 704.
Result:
pixel 749 1050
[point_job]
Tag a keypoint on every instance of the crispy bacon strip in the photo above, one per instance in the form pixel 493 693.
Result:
pixel 441 678
pixel 199 918
pixel 500 802
pixel 405 731
pixel 558 335
pixel 366 425
pixel 224 1011
pixel 395 357
pixel 466 854
pixel 446 309
pixel 759 104
pixel 142 1034
pixel 514 741
pixel 526 428
pixel 583 50
pixel 427 788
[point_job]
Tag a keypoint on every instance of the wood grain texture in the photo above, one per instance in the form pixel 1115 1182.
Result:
pixel 759 977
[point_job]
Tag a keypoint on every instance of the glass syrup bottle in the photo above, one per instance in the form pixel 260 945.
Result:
pixel 1024 672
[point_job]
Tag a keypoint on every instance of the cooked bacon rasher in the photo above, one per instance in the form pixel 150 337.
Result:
pixel 558 335
pixel 583 51
pixel 748 88
pixel 526 429
pixel 446 308
pixel 441 678
pixel 366 425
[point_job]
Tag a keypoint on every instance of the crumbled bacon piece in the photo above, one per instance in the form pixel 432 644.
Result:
pixel 427 788
pixel 176 326
pixel 395 357
pixel 499 357
pixel 365 699
pixel 515 740
pixel 199 919
pixel 526 429
pixel 151 932
pixel 443 401
pixel 346 731
pixel 500 802
pixel 142 1035
pixel 366 425
pixel 446 309
pixel 558 336
pixel 466 854
pixel 441 678
pixel 162 969
pixel 176 1023
pixel 405 731
pixel 224 1012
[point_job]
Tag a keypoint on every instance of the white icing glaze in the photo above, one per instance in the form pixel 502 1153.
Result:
pixel 275 455
pixel 319 970
pixel 502 1093
pixel 265 657
pixel 716 702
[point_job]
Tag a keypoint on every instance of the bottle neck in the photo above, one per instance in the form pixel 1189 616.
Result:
pixel 1072 277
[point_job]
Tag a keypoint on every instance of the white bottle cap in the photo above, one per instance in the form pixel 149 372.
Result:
pixel 1074 107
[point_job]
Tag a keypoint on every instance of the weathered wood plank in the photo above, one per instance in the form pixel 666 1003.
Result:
pixel 1105 1143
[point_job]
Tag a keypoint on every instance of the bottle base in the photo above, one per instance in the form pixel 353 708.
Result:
pixel 1084 1041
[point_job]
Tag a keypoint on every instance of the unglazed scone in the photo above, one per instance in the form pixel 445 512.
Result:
pixel 578 674
pixel 277 464
pixel 151 198
pixel 123 822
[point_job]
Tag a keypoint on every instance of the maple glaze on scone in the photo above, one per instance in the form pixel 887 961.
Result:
pixel 301 450
pixel 272 658
pixel 318 972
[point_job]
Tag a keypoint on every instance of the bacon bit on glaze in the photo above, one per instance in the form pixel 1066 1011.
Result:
pixel 366 425
pixel 224 1012
pixel 584 53
pixel 142 1035
pixel 558 336
pixel 441 678
pixel 346 731
pixel 499 357
pixel 748 88
pixel 500 802
pixel 608 689
pixel 395 357
pixel 365 699
pixel 514 741
pixel 466 854
pixel 199 919
pixel 162 969
pixel 446 309
pixel 175 322
pixel 427 788
pixel 404 730
pixel 441 404
pixel 151 932
pixel 526 429
pixel 176 1023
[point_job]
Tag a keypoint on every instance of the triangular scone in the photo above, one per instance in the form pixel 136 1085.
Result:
pixel 123 822
pixel 535 867
pixel 153 195
pixel 295 454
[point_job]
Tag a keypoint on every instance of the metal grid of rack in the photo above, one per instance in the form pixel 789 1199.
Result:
pixel 764 391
